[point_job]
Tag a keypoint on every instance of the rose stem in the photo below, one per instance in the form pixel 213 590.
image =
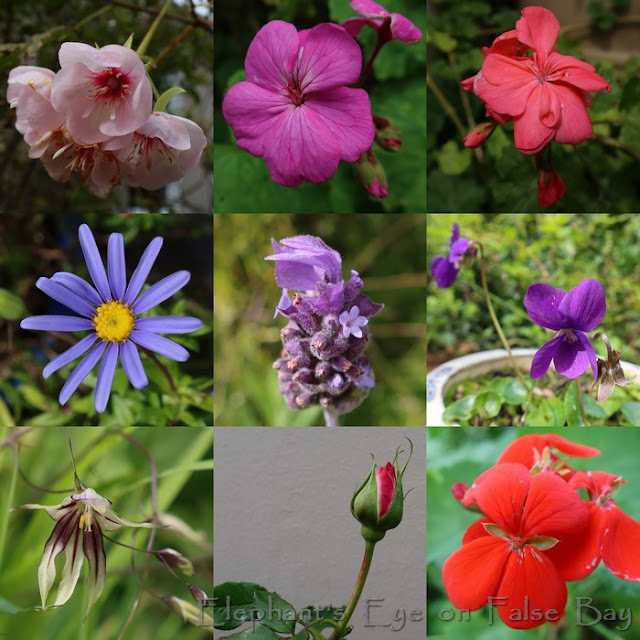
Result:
pixel 340 629
pixel 330 417
pixel 494 318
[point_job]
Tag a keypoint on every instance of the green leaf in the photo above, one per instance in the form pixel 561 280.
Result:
pixel 442 41
pixel 453 160
pixel 631 411
pixel 8 607
pixel 460 410
pixel 166 97
pixel 232 604
pixel 274 612
pixel 6 419
pixel 11 307
pixel 489 403
pixel 515 392
pixel 593 409
pixel 256 633
pixel 571 410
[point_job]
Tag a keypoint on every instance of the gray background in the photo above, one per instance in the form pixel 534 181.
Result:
pixel 282 519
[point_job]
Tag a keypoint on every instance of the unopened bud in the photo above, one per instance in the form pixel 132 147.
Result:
pixel 371 175
pixel 387 134
pixel 175 559
pixel 478 135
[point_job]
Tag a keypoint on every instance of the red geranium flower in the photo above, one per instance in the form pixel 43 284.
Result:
pixel 503 560
pixel 612 536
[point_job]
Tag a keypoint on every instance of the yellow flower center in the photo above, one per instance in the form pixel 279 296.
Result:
pixel 113 321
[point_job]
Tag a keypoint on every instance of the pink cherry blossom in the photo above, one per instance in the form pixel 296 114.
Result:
pixel 379 18
pixel 102 92
pixel 295 108
pixel 159 152
pixel 546 94
pixel 29 92
pixel 61 157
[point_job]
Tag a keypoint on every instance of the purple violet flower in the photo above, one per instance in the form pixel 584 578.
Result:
pixel 322 360
pixel 445 270
pixel 571 314
pixel 110 313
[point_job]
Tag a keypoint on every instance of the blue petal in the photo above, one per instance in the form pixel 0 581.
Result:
pixel 116 265
pixel 132 365
pixel 168 324
pixel 69 355
pixel 163 346
pixel 78 286
pixel 142 270
pixel 56 323
pixel 65 296
pixel 160 291
pixel 94 261
pixel 81 372
pixel 105 376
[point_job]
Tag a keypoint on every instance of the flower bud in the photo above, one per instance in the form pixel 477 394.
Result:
pixel 550 188
pixel 371 175
pixel 387 134
pixel 378 503
pixel 478 135
pixel 175 559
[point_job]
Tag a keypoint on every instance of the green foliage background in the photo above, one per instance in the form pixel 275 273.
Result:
pixel 600 174
pixel 31 34
pixel 387 251
pixel 520 249
pixel 117 470
pixel 39 245
pixel 460 455
pixel 398 92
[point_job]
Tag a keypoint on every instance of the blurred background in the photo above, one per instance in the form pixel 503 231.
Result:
pixel 34 462
pixel 397 91
pixel 387 251
pixel 520 249
pixel 600 174
pixel 31 34
pixel 460 455
pixel 39 245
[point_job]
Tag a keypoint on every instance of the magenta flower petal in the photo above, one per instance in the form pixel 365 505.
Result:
pixel 590 351
pixel 404 30
pixel 584 305
pixel 571 358
pixel 542 303
pixel 444 272
pixel 544 355
pixel 369 8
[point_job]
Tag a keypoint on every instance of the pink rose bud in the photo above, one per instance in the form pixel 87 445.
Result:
pixel 550 188
pixel 477 136
pixel 371 175
pixel 387 134
pixel 378 503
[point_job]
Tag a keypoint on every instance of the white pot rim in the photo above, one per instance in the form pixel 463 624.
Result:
pixel 475 365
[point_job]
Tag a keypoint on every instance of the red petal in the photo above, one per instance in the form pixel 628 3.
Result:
pixel 620 543
pixel 476 530
pixel 502 495
pixel 534 590
pixel 578 554
pixel 472 573
pixel 552 508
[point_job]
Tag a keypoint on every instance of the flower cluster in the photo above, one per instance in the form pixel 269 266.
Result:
pixel 445 270
pixel 94 117
pixel 110 313
pixel 524 79
pixel 537 533
pixel 297 108
pixel 322 360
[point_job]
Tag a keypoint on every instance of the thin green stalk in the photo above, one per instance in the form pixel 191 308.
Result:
pixel 583 415
pixel 4 516
pixel 494 318
pixel 341 627
pixel 152 29
pixel 446 105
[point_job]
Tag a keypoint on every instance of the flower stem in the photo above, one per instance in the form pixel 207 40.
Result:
pixel 494 318
pixel 152 29
pixel 330 417
pixel 446 105
pixel 341 627
pixel 374 55
pixel 163 369
pixel 583 415
pixel 4 517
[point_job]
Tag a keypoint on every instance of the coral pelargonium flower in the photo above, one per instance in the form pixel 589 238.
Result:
pixel 571 314
pixel 445 270
pixel 109 311
pixel 546 94
pixel 80 520
pixel 612 535
pixel 397 26
pixel 503 559
pixel 295 108
pixel 102 92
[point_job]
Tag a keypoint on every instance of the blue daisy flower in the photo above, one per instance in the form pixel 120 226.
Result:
pixel 111 311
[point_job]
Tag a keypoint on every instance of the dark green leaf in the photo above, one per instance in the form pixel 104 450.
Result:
pixel 274 612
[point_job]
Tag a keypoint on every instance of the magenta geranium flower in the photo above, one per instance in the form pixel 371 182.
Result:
pixel 546 94
pixel 295 108
pixel 571 314
pixel 102 92
pixel 445 270
pixel 376 16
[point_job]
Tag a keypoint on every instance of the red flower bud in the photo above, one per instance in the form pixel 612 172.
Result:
pixel 550 188
pixel 479 134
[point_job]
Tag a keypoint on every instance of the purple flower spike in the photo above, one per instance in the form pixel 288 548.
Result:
pixel 322 360
pixel 571 314
pixel 445 270
pixel 110 312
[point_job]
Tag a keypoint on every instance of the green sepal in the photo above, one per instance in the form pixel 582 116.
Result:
pixel 542 543
pixel 129 43
pixel 166 97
